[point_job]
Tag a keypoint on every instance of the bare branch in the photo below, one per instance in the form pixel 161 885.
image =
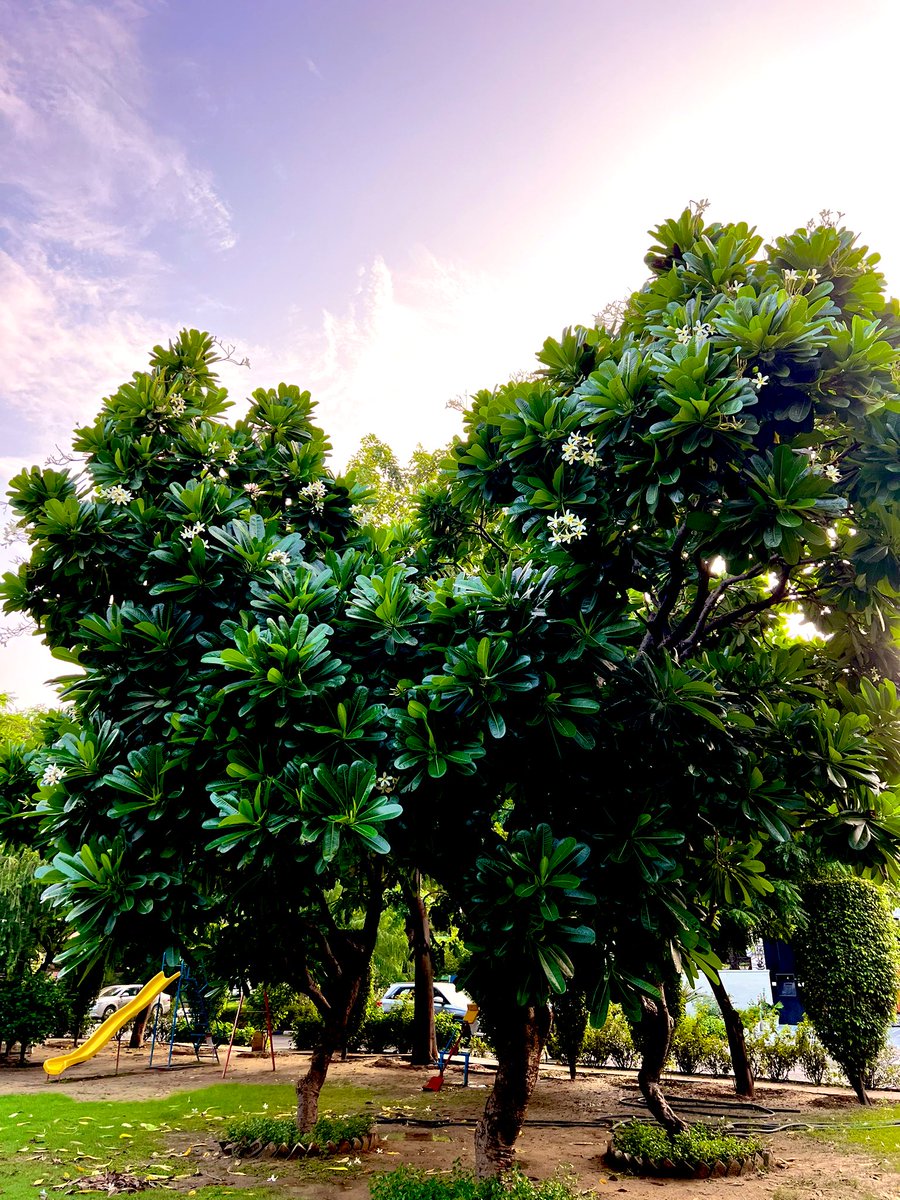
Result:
pixel 229 354
pixel 709 604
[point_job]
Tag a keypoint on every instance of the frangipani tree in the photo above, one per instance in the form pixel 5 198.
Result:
pixel 234 638
pixel 672 490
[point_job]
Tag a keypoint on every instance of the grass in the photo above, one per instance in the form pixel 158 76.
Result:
pixel 868 1129
pixel 48 1140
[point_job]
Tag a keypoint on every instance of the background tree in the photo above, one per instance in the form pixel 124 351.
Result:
pixel 847 961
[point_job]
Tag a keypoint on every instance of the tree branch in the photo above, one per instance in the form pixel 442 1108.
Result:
pixel 709 604
pixel 670 593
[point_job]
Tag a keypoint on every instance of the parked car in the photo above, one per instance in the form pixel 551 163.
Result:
pixel 447 999
pixel 111 999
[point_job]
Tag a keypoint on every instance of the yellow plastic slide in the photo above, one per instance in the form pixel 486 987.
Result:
pixel 111 1026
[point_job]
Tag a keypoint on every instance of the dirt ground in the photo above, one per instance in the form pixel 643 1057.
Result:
pixel 802 1168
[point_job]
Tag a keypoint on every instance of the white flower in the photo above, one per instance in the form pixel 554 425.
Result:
pixel 579 447
pixel 567 527
pixel 571 450
pixel 386 783
pixel 177 404
pixel 253 490
pixel 813 276
pixel 759 382
pixel 832 472
pixel 52 775
pixel 117 494
pixel 191 531
pixel 355 1162
pixel 790 275
pixel 702 330
pixel 288 502
pixel 272 1179
pixel 232 457
pixel 734 286
pixel 684 334
pixel 280 558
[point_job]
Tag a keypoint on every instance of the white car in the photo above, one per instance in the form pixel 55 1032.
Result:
pixel 447 999
pixel 111 999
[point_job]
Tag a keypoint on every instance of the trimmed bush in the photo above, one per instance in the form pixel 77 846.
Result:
pixel 699 1041
pixel 811 1054
pixel 700 1146
pixel 847 963
pixel 613 1043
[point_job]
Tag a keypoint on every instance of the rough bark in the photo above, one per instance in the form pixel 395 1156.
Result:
pixel 138 1029
pixel 518 1058
pixel 858 1083
pixel 310 1086
pixel 656 1035
pixel 346 955
pixel 734 1028
pixel 418 930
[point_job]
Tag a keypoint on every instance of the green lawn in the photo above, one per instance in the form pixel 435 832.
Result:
pixel 868 1129
pixel 48 1139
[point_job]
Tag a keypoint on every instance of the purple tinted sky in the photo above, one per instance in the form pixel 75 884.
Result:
pixel 393 202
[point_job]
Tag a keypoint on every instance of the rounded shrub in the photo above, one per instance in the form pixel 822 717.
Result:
pixel 847 962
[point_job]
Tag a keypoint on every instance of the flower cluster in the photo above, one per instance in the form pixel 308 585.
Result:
pixel 832 472
pixel 52 775
pixel 177 404
pixel 232 457
pixel 567 527
pixel 279 557
pixel 386 784
pixel 794 280
pixel 314 494
pixel 253 490
pixel 116 494
pixel 579 447
pixel 701 330
pixel 191 531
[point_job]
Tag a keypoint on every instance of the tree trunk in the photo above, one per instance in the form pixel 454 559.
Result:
pixel 656 1032
pixel 138 1028
pixel 858 1083
pixel 734 1028
pixel 519 1057
pixel 418 930
pixel 309 1087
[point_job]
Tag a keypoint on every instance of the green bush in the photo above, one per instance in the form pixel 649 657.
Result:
pixel 613 1043
pixel 570 1018
pixel 378 1030
pixel 847 963
pixel 811 1054
pixel 244 1131
pixel 411 1183
pixel 699 1040
pixel 700 1144
pixel 28 1010
pixel 773 1049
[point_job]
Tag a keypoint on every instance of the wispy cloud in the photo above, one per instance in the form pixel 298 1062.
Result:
pixel 89 167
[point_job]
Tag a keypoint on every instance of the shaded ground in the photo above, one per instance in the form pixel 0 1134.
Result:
pixel 805 1168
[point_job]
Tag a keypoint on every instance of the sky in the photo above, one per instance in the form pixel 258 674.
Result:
pixel 392 202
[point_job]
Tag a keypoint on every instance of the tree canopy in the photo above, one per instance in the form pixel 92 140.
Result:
pixel 576 697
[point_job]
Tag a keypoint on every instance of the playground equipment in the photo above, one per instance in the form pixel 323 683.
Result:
pixel 234 1028
pixel 112 1025
pixel 190 1000
pixel 436 1082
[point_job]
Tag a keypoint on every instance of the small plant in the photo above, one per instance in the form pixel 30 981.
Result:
pixel 410 1183
pixel 811 1054
pixel 699 1041
pixel 243 1132
pixel 773 1049
pixel 700 1145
